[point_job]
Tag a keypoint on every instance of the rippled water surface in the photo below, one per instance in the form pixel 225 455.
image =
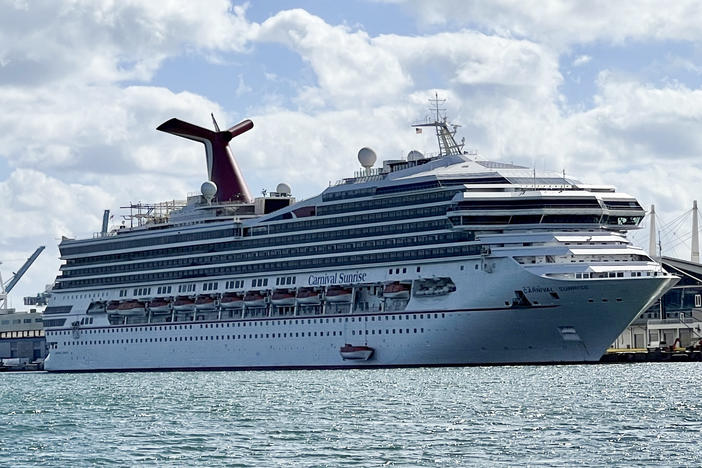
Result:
pixel 638 414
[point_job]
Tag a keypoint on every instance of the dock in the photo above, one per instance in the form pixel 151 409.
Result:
pixel 614 355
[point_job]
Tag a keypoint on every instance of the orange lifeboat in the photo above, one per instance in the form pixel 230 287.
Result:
pixel 396 291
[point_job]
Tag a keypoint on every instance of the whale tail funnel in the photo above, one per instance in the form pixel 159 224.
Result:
pixel 222 168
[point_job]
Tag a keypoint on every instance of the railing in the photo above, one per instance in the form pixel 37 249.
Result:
pixel 672 321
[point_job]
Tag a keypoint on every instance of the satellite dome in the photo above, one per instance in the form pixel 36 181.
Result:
pixel 367 157
pixel 208 190
pixel 414 155
pixel 283 189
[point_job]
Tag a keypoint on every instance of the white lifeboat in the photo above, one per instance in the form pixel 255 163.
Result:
pixel 129 308
pixel 231 301
pixel 205 303
pixel 355 353
pixel 338 294
pixel 160 306
pixel 254 299
pixel 282 297
pixel 184 304
pixel 309 296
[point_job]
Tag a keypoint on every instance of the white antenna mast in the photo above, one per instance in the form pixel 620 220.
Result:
pixel 652 232
pixel 695 254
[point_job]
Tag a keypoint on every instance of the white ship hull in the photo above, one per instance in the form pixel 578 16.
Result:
pixel 434 333
pixel 500 266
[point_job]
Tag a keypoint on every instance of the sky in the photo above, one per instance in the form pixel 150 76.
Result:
pixel 609 92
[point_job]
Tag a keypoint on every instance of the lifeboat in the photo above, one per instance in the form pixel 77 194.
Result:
pixel 112 307
pixel 205 303
pixel 131 308
pixel 282 297
pixel 355 353
pixel 96 308
pixel 396 291
pixel 160 306
pixel 434 287
pixel 231 301
pixel 184 304
pixel 338 294
pixel 254 299
pixel 308 296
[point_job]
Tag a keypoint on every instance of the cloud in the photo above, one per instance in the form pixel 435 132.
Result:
pixel 103 41
pixel 348 67
pixel 581 60
pixel 38 210
pixel 112 129
pixel 468 59
pixel 564 23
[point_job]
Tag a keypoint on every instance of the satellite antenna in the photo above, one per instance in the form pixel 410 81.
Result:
pixel 367 158
pixel 283 189
pixel 208 190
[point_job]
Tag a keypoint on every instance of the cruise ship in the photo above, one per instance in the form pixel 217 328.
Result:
pixel 429 260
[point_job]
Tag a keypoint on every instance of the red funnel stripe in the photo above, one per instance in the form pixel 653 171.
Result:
pixel 222 168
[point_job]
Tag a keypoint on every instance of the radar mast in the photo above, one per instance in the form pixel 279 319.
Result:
pixel 444 131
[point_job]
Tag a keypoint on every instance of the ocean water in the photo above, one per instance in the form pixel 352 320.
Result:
pixel 586 415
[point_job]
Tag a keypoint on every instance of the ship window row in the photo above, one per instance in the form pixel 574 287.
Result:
pixel 210 286
pixel 285 280
pixel 265 242
pixel 54 322
pixel 132 243
pixel 355 193
pixel 234 284
pixel 622 205
pixel 185 288
pixel 385 202
pixel 256 323
pixel 142 291
pixel 529 204
pixel 399 242
pixel 305 263
pixel 364 192
pixel 164 289
pixel 250 336
pixel 60 309
pixel 259 282
pixel 441 183
pixel 544 219
pixel 22 334
pixel 366 218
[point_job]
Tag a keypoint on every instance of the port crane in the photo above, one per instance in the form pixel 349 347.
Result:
pixel 5 288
